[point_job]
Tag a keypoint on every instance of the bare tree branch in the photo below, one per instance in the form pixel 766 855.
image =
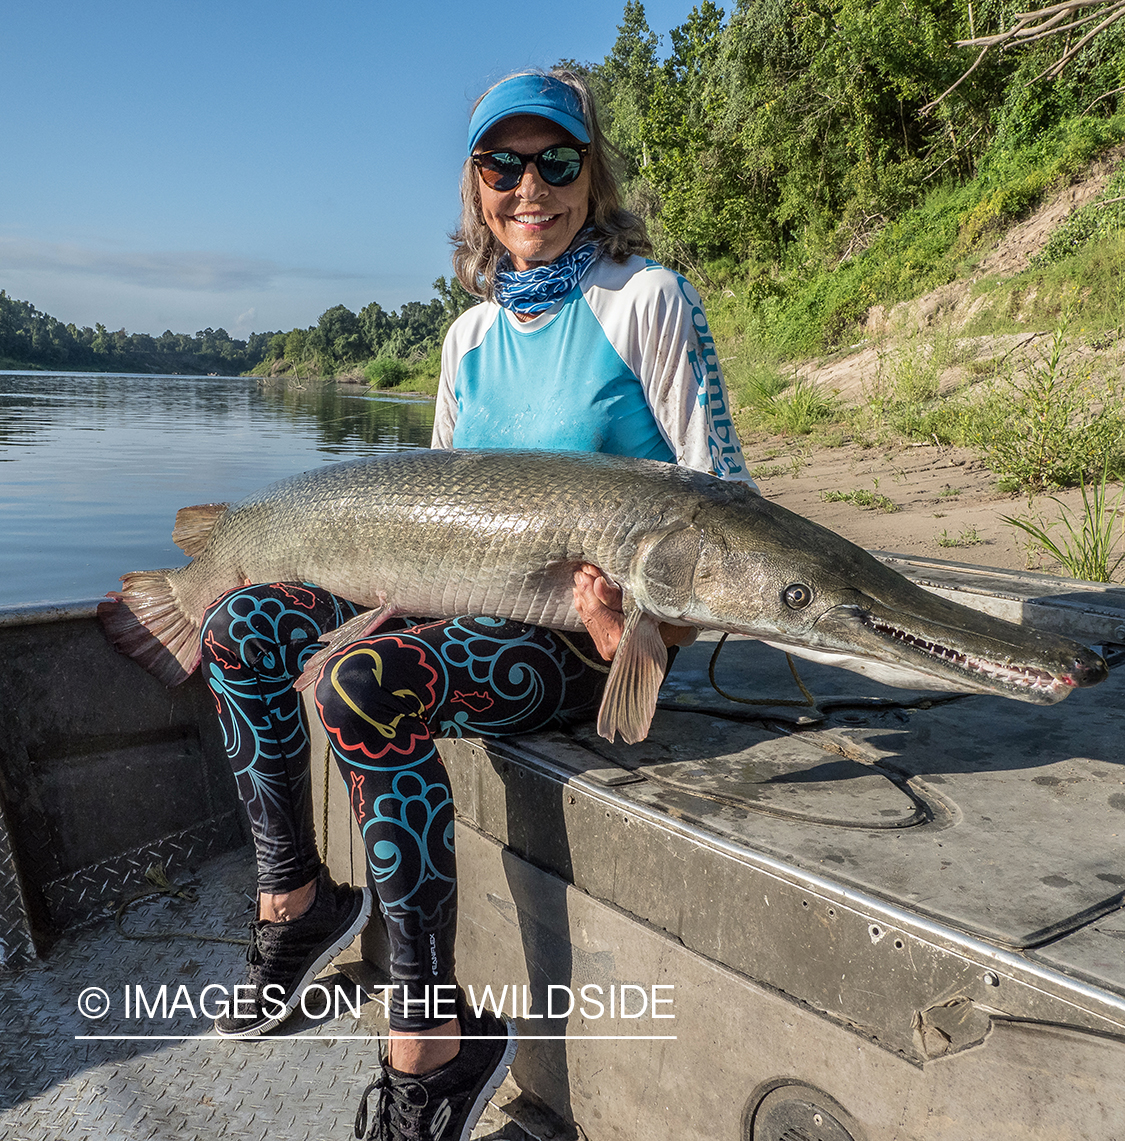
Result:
pixel 1106 95
pixel 1034 35
pixel 1021 27
pixel 949 90
pixel 1040 24
pixel 956 153
pixel 1055 69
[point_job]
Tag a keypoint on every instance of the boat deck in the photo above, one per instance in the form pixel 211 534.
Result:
pixel 896 913
pixel 154 1071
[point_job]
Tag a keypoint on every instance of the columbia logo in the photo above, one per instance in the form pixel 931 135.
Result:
pixel 441 1119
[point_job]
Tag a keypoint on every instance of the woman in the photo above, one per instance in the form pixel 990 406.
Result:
pixel 581 344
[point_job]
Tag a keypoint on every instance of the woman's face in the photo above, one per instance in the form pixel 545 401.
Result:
pixel 535 222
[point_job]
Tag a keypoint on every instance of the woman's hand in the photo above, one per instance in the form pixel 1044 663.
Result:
pixel 599 605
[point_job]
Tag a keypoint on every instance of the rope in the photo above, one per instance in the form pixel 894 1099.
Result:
pixel 327 755
pixel 601 667
pixel 809 699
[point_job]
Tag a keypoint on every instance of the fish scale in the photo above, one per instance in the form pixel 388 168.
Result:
pixel 433 557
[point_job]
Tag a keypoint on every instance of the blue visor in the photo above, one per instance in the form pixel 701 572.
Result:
pixel 540 95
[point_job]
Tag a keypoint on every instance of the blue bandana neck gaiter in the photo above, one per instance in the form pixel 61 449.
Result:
pixel 535 290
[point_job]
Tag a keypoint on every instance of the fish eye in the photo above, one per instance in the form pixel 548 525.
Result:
pixel 797 596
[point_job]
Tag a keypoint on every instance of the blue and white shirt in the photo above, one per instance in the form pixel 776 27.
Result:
pixel 624 364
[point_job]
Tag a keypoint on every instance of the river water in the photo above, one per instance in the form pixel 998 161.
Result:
pixel 93 466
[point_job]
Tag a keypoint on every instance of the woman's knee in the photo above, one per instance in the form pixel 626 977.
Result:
pixel 375 682
pixel 229 633
pixel 270 626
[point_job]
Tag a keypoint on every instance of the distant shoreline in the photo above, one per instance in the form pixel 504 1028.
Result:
pixel 344 380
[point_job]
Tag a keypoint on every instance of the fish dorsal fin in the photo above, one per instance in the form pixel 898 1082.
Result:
pixel 634 679
pixel 194 526
pixel 360 626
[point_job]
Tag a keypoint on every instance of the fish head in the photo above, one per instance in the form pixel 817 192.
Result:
pixel 763 571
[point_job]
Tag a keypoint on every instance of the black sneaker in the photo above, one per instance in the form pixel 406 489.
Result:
pixel 445 1104
pixel 286 957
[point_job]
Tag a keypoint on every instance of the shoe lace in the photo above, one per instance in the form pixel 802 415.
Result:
pixel 253 950
pixel 256 958
pixel 398 1112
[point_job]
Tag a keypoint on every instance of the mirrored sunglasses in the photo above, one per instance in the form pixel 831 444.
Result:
pixel 557 166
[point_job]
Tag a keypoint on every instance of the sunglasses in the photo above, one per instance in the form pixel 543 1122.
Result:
pixel 557 166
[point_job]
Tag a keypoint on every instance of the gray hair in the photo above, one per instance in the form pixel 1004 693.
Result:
pixel 618 232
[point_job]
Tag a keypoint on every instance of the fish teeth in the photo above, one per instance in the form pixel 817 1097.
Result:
pixel 1031 678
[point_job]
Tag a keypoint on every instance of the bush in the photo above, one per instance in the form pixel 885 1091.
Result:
pixel 781 407
pixel 385 372
pixel 1085 225
pixel 1046 430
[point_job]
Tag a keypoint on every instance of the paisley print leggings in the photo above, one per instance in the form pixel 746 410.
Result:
pixel 383 700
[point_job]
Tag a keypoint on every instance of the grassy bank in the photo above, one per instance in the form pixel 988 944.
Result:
pixel 383 374
pixel 817 303
pixel 1024 367
pixel 931 337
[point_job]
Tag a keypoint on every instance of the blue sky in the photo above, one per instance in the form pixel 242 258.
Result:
pixel 247 164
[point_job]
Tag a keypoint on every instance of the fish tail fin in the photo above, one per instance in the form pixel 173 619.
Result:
pixel 146 621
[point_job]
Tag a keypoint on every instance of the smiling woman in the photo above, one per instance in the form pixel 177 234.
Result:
pixel 582 344
pixel 479 250
pixel 619 347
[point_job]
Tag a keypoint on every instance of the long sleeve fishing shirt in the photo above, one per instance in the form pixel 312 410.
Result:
pixel 624 364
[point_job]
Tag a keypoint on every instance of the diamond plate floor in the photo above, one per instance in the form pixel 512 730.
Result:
pixel 54 1083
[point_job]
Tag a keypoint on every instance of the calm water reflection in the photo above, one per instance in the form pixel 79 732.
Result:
pixel 93 467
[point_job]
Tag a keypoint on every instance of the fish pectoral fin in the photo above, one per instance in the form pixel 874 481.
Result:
pixel 634 680
pixel 360 626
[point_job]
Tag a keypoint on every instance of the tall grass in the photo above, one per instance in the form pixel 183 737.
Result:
pixel 1041 421
pixel 784 407
pixel 1047 427
pixel 1086 547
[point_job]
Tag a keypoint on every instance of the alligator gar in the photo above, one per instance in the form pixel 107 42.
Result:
pixel 445 533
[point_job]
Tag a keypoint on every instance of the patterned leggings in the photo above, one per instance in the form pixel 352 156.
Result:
pixel 382 700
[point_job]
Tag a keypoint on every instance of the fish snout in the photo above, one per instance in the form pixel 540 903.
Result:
pixel 1085 669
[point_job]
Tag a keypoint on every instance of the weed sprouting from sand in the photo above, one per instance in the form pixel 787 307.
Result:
pixel 768 471
pixel 861 497
pixel 1088 549
pixel 969 537
pixel 783 407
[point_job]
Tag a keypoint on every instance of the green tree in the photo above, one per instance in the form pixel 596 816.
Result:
pixel 796 120
pixel 625 82
pixel 295 345
pixel 337 339
pixel 377 325
pixel 688 161
pixel 454 297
